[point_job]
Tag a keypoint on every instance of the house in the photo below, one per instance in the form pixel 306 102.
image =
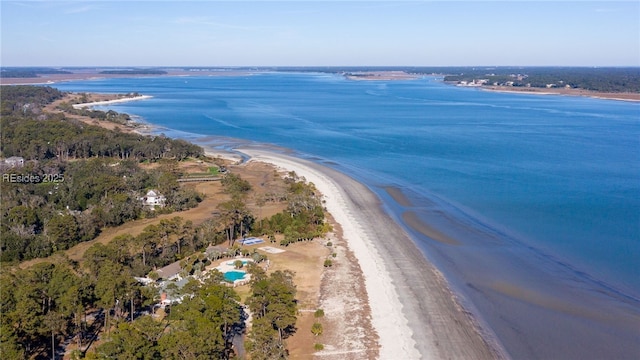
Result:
pixel 170 271
pixel 153 199
pixel 169 292
pixel 14 161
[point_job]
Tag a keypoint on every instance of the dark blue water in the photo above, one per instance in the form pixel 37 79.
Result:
pixel 543 191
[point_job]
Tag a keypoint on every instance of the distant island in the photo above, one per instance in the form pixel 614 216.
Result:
pixel 134 72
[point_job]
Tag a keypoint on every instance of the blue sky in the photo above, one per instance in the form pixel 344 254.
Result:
pixel 314 33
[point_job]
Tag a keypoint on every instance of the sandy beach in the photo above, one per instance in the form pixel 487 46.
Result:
pixel 414 313
pixel 109 102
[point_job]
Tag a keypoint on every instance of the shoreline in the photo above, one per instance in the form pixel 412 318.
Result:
pixel 94 75
pixel 109 102
pixel 629 97
pixel 414 311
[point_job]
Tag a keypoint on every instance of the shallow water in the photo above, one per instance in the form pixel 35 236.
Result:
pixel 529 204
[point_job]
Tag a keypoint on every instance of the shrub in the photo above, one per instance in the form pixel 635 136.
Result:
pixel 318 347
pixel 329 244
pixel 319 313
pixel 316 329
pixel 238 264
pixel 328 263
pixel 334 254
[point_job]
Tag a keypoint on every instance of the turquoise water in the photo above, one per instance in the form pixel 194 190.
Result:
pixel 543 192
pixel 232 276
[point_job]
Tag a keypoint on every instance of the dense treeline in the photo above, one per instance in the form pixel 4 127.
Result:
pixel 273 305
pixel 18 99
pixel 304 217
pixel 63 139
pixel 596 79
pixel 29 133
pixel 77 178
pixel 28 72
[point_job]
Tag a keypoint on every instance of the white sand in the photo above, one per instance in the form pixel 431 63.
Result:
pixel 223 154
pixel 388 319
pixel 107 102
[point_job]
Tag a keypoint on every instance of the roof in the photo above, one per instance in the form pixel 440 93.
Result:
pixel 14 158
pixel 151 193
pixel 170 270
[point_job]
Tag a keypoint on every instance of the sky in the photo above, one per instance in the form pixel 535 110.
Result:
pixel 320 33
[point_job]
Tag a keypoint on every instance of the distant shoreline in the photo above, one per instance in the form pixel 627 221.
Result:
pixel 384 75
pixel 96 75
pixel 633 97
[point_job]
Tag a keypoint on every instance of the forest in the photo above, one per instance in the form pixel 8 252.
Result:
pixel 612 79
pixel 28 72
pixel 86 177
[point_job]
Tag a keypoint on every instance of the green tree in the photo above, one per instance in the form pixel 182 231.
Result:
pixel 235 216
pixel 263 341
pixel 62 231
pixel 134 340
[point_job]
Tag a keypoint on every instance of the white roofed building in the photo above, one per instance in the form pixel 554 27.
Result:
pixel 153 199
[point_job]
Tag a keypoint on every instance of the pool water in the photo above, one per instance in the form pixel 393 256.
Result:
pixel 232 276
pixel 233 263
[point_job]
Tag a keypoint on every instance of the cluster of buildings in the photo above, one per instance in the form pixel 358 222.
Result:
pixel 169 280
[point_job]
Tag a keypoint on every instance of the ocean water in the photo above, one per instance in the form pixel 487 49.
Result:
pixel 541 193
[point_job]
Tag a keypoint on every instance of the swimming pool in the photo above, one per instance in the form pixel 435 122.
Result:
pixel 251 241
pixel 232 276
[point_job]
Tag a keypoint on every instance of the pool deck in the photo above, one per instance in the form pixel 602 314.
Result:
pixel 225 267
